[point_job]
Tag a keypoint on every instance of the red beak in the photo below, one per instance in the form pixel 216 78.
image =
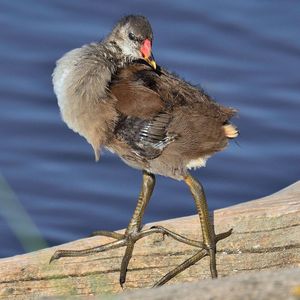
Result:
pixel 146 50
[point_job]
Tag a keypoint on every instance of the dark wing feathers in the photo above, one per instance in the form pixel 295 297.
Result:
pixel 154 135
pixel 147 138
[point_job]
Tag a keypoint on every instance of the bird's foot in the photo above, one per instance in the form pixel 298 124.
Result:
pixel 205 250
pixel 121 240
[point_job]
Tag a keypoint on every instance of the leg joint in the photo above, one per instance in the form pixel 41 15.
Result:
pixel 148 178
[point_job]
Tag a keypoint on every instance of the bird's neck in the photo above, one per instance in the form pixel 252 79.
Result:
pixel 115 56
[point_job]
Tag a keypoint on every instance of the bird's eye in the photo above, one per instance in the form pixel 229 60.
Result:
pixel 132 36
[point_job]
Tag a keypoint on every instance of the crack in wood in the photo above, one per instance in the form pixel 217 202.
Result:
pixel 265 230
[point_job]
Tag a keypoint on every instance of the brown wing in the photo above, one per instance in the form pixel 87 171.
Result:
pixel 135 98
pixel 144 120
pixel 151 102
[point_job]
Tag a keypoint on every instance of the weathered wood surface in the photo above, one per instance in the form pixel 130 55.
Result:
pixel 259 285
pixel 265 235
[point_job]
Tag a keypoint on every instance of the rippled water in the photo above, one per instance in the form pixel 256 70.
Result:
pixel 245 54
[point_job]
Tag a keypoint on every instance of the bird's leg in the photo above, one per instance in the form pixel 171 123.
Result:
pixel 210 240
pixel 207 228
pixel 132 234
pixel 133 231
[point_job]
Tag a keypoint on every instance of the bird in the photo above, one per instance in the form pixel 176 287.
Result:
pixel 114 94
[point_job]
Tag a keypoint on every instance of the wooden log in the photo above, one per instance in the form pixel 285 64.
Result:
pixel 265 236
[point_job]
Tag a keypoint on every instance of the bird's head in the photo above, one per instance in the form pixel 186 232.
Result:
pixel 133 35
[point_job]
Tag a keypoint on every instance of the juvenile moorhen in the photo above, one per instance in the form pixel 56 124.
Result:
pixel 114 94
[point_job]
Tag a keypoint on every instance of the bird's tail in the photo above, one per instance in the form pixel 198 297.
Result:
pixel 230 130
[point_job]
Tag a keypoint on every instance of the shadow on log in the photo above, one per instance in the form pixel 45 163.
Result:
pixel 265 236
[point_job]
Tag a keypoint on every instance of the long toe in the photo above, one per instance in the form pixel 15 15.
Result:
pixel 90 251
pixel 183 266
pixel 205 250
pixel 111 234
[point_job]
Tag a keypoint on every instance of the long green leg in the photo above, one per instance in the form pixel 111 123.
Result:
pixel 133 230
pixel 208 233
pixel 208 247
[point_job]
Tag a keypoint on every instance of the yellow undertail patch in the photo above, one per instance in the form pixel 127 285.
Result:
pixel 231 131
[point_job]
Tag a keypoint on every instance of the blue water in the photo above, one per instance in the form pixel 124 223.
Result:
pixel 246 54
